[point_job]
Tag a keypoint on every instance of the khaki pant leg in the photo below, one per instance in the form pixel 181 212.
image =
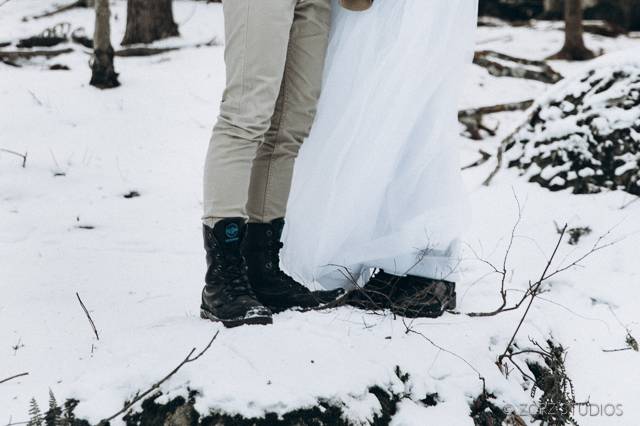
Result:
pixel 295 111
pixel 257 38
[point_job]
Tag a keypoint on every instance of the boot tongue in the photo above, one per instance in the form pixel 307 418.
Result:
pixel 230 233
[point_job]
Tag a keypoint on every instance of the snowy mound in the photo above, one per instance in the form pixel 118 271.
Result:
pixel 586 135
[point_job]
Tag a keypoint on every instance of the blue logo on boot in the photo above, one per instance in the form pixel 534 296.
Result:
pixel 231 231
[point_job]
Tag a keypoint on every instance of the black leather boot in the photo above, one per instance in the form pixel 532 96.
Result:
pixel 227 296
pixel 409 296
pixel 377 294
pixel 274 288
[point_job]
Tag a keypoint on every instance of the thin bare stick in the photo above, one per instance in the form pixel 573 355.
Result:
pixel 409 329
pixel 534 288
pixel 93 325
pixel 532 293
pixel 617 350
pixel 23 156
pixel 484 157
pixel 139 396
pixel 503 271
pixel 624 206
pixel 14 377
pixel 78 3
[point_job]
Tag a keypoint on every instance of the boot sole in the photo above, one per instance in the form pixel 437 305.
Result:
pixel 449 305
pixel 230 323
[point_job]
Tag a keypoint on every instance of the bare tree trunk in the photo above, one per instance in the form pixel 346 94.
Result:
pixel 149 20
pixel 574 48
pixel 103 74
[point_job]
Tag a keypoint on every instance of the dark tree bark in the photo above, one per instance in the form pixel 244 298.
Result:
pixel 574 48
pixel 103 74
pixel 148 21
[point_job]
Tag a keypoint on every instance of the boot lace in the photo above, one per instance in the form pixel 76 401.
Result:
pixel 273 266
pixel 234 272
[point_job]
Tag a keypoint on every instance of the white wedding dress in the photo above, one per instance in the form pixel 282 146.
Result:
pixel 377 183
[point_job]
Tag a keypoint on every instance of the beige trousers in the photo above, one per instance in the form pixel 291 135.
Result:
pixel 274 57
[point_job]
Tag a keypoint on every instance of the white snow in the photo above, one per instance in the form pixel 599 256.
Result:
pixel 140 270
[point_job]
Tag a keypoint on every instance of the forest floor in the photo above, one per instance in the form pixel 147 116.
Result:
pixel 69 223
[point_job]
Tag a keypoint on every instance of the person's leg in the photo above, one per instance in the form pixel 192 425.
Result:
pixel 273 165
pixel 294 114
pixel 257 39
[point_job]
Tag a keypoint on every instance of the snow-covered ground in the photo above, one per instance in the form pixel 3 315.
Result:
pixel 139 267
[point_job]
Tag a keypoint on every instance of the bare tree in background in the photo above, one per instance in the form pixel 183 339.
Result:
pixel 103 74
pixel 148 21
pixel 574 48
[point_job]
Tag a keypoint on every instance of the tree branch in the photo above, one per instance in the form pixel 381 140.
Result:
pixel 14 377
pixel 84 308
pixel 139 396
pixel 23 156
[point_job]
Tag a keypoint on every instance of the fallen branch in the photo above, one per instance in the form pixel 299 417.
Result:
pixel 503 270
pixel 624 206
pixel 14 377
pixel 28 54
pixel 501 149
pixel 150 51
pixel 84 308
pixel 78 3
pixel 409 329
pixel 23 156
pixel 144 51
pixel 484 157
pixel 534 289
pixel 472 118
pixel 532 293
pixel 501 65
pixel 139 396
pixel 511 106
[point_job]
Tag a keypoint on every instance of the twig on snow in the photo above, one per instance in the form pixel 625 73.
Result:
pixel 23 156
pixel 503 269
pixel 139 396
pixel 14 377
pixel 409 329
pixel 84 308
pixel 534 290
pixel 484 157
pixel 78 3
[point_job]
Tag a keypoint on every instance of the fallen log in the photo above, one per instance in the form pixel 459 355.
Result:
pixel 144 51
pixel 50 37
pixel 28 54
pixel 150 51
pixel 501 65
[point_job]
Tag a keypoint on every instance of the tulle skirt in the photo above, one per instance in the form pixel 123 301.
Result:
pixel 377 183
